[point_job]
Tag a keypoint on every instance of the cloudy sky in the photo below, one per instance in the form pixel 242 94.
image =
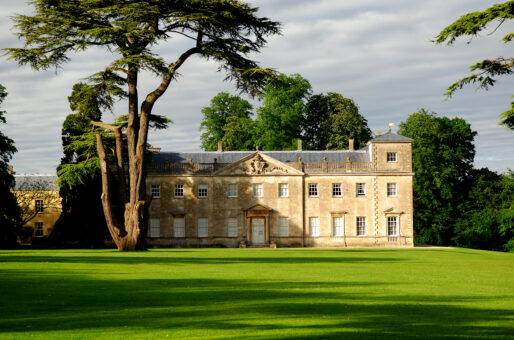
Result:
pixel 376 52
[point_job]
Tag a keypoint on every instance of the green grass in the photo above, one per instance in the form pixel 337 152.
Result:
pixel 256 294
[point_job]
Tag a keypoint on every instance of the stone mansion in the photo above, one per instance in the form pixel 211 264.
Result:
pixel 343 198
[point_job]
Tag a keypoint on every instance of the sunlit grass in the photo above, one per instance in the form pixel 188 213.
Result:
pixel 257 293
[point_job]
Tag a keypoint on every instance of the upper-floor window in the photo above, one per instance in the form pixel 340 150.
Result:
pixel 313 190
pixel 203 227
pixel 155 227
pixel 232 190
pixel 232 227
pixel 361 189
pixel 284 227
pixel 39 229
pixel 203 190
pixel 391 156
pixel 283 190
pixel 179 227
pixel 361 225
pixel 257 190
pixel 314 226
pixel 179 190
pixel 337 190
pixel 156 190
pixel 391 190
pixel 39 206
pixel 392 225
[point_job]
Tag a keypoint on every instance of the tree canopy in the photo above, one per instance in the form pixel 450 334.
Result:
pixel 487 70
pixel 10 221
pixel 227 32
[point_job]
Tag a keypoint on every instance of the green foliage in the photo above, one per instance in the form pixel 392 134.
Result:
pixel 331 120
pixel 279 121
pixel 227 119
pixel 10 219
pixel 470 25
pixel 488 220
pixel 442 158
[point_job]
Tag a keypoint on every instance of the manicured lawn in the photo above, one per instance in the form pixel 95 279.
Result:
pixel 256 294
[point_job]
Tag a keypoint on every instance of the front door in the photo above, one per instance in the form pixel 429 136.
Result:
pixel 258 230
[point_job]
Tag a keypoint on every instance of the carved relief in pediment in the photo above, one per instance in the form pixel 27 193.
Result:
pixel 259 166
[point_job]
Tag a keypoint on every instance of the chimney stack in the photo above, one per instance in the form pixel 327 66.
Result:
pixel 350 144
pixel 299 145
pixel 220 146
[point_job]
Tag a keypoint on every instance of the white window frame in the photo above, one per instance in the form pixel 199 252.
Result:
pixel 258 190
pixel 313 190
pixel 179 191
pixel 283 190
pixel 39 229
pixel 232 227
pixel 39 206
pixel 232 190
pixel 155 227
pixel 283 227
pixel 392 190
pixel 179 227
pixel 203 227
pixel 338 226
pixel 203 190
pixel 360 189
pixel 340 188
pixel 392 157
pixel 360 226
pixel 314 226
pixel 155 190
pixel 393 224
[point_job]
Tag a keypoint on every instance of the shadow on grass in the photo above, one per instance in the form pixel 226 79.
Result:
pixel 33 302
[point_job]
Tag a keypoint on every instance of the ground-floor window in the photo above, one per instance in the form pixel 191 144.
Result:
pixel 338 225
pixel 155 227
pixel 361 225
pixel 392 225
pixel 39 229
pixel 314 226
pixel 179 227
pixel 232 227
pixel 284 227
pixel 203 227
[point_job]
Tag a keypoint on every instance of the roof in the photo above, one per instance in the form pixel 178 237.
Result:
pixel 390 137
pixel 35 182
pixel 230 157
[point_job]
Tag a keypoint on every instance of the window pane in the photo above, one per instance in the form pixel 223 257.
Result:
pixel 232 227
pixel 179 227
pixel 392 225
pixel 156 190
pixel 337 190
pixel 232 190
pixel 283 190
pixel 284 227
pixel 361 226
pixel 391 189
pixel 155 227
pixel 257 190
pixel 179 190
pixel 313 190
pixel 203 190
pixel 361 189
pixel 203 227
pixel 39 205
pixel 391 156
pixel 39 229
pixel 314 226
pixel 338 224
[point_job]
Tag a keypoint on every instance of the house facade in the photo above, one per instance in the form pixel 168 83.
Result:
pixel 344 198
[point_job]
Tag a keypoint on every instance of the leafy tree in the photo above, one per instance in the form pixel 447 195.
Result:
pixel 470 25
pixel 224 31
pixel 223 111
pixel 331 120
pixel 442 159
pixel 10 222
pixel 279 121
pixel 488 218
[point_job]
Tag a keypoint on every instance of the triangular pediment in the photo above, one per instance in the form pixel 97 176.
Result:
pixel 392 211
pixel 258 206
pixel 259 164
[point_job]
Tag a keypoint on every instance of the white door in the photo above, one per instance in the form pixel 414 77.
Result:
pixel 258 230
